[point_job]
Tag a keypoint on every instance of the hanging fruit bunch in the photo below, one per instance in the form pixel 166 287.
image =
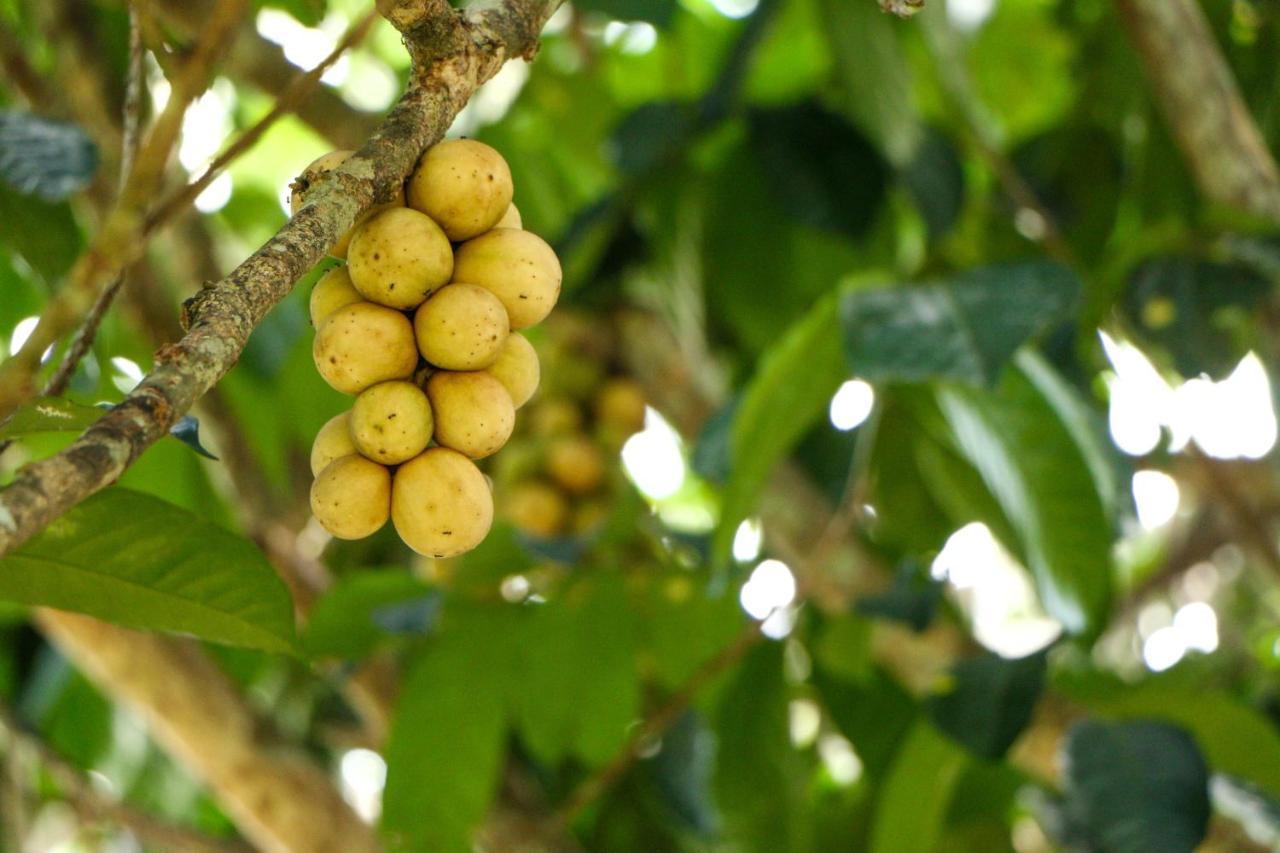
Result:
pixel 557 478
pixel 422 325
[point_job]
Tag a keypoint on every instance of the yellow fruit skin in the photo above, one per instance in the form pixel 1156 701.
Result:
pixel 510 219
pixel 333 291
pixel 351 497
pixel 461 327
pixel 555 416
pixel 518 267
pixel 440 503
pixel 364 344
pixel 399 258
pixel 391 422
pixel 517 368
pixel 536 508
pixel 474 414
pixel 462 184
pixel 312 173
pixel 333 441
pixel 576 464
pixel 620 406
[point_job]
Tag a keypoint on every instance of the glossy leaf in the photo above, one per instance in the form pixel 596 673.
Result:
pixel 135 560
pixel 965 328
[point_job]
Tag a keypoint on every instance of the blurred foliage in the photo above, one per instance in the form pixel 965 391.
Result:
pixel 793 193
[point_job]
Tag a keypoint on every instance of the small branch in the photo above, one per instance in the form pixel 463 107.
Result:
pixel 1203 106
pixel 1252 527
pixel 93 806
pixel 656 725
pixel 130 123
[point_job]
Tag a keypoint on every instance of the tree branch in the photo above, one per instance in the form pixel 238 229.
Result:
pixel 1202 104
pixel 467 49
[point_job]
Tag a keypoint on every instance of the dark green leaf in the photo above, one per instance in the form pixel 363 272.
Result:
pixel 935 179
pixel 913 598
pixel 308 12
pixel 187 430
pixel 1137 787
pixel 1035 470
pixel 712 457
pixel 822 170
pixel 875 713
pixel 135 560
pixel 964 328
pixel 43 233
pixel 988 701
pixel 346 622
pixel 45 158
pixel 791 388
pixel 649 136
pixel 682 772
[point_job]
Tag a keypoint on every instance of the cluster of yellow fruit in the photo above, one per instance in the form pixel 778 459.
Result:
pixel 556 479
pixel 421 324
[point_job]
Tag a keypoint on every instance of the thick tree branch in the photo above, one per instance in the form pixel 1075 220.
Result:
pixel 469 50
pixel 1202 104
pixel 279 799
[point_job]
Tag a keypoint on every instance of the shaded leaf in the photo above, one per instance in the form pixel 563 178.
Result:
pixel 1137 787
pixel 935 179
pixel 988 701
pixel 352 618
pixel 43 157
pixel 682 772
pixel 43 233
pixel 913 598
pixel 1034 469
pixel 712 456
pixel 657 12
pixel 822 170
pixel 650 135
pixel 875 713
pixel 135 560
pixel 964 328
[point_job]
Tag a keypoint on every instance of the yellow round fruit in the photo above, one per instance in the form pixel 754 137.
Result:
pixel 333 441
pixel 364 344
pixel 510 219
pixel 620 406
pixel 555 416
pixel 333 291
pixel 462 184
pixel 440 503
pixel 536 508
pixel 589 516
pixel 391 422
pixel 518 266
pixel 517 368
pixel 399 258
pixel 461 327
pixel 351 497
pixel 474 414
pixel 313 173
pixel 576 464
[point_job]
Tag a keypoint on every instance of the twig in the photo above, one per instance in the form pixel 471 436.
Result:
pixel 117 244
pixel 294 94
pixel 1251 526
pixel 130 123
pixel 93 806
pixel 656 725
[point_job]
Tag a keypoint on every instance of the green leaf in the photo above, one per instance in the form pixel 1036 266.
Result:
pixel 682 772
pixel 650 135
pixel 916 793
pixel 187 430
pixel 823 171
pixel 964 328
pixel 345 622
pixel 791 389
pixel 49 414
pixel 875 713
pixel 43 233
pixel 912 599
pixel 988 701
pixel 447 742
pixel 935 178
pixel 1137 786
pixel 138 561
pixel 43 157
pixel 1030 463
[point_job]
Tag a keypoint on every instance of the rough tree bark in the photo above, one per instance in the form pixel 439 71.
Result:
pixel 1202 104
pixel 454 52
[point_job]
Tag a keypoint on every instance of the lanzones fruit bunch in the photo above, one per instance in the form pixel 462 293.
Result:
pixel 422 325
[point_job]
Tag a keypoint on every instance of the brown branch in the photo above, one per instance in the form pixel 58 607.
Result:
pixel 1203 106
pixel 467 49
pixel 94 806
pixel 117 244
pixel 275 794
